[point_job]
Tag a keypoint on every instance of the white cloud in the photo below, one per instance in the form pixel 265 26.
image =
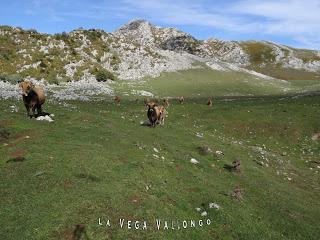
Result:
pixel 296 20
pixel 290 19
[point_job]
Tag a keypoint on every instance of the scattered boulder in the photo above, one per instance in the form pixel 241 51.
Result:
pixel 218 152
pixel 141 146
pixel 194 161
pixel 316 136
pixel 214 205
pixel 200 135
pixel 14 108
pixel 258 162
pixel 145 123
pixel 45 118
pixel 204 213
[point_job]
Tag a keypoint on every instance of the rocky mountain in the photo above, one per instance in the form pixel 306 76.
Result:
pixel 139 49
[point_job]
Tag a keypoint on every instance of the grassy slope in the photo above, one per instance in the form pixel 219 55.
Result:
pixel 263 60
pixel 86 165
pixel 205 82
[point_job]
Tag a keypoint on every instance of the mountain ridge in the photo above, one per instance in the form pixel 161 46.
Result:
pixel 139 49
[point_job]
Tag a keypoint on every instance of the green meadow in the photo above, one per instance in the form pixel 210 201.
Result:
pixel 96 160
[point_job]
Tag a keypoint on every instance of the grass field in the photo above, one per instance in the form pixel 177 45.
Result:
pixel 204 82
pixel 96 161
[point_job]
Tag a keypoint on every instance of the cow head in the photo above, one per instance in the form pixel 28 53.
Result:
pixel 26 87
pixel 151 105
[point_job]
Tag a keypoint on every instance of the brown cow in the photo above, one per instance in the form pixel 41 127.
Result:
pixel 162 115
pixel 117 100
pixel 146 101
pixel 166 103
pixel 33 97
pixel 209 102
pixel 153 113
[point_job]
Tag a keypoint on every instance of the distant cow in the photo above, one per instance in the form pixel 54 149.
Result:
pixel 146 101
pixel 162 115
pixel 153 113
pixel 33 97
pixel 117 100
pixel 181 100
pixel 166 103
pixel 209 102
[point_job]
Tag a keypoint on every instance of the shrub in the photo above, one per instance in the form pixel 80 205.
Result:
pixel 43 64
pixel 103 75
pixel 115 61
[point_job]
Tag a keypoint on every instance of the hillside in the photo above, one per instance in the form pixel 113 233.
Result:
pixel 140 49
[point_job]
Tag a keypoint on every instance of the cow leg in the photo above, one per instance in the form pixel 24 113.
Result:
pixel 28 110
pixel 39 110
pixel 34 110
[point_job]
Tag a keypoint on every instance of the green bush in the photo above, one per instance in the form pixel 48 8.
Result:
pixel 43 64
pixel 103 75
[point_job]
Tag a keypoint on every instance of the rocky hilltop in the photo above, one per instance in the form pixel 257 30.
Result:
pixel 139 49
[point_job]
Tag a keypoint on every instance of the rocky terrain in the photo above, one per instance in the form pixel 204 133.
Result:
pixel 139 49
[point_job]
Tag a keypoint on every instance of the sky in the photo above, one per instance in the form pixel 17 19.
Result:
pixel 290 22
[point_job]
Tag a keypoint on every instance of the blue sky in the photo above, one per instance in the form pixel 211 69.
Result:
pixel 291 22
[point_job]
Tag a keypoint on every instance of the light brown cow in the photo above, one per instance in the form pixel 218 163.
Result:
pixel 209 102
pixel 33 97
pixel 162 115
pixel 146 101
pixel 166 103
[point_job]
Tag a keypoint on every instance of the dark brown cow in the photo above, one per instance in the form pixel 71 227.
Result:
pixel 153 113
pixel 117 100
